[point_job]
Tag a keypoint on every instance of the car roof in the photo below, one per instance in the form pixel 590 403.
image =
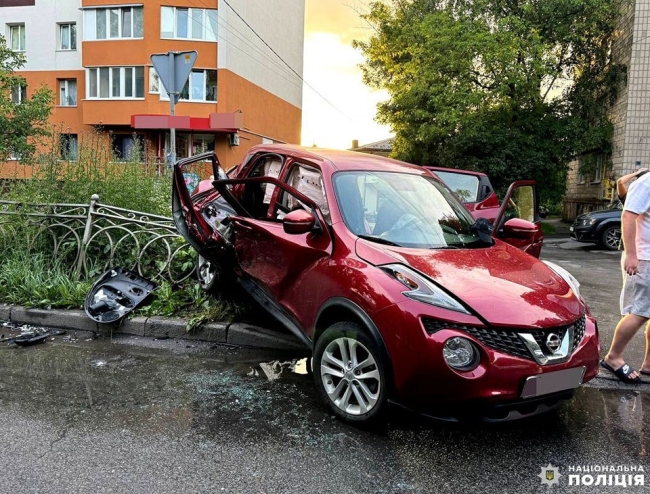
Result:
pixel 339 159
pixel 454 170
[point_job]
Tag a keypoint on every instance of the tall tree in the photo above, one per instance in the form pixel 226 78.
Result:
pixel 514 88
pixel 23 118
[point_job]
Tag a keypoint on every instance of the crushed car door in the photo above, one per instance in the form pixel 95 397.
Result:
pixel 199 218
pixel 277 259
pixel 520 203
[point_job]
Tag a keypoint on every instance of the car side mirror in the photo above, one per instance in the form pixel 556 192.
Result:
pixel 298 222
pixel 516 227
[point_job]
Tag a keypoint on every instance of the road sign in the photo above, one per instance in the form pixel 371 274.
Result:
pixel 174 68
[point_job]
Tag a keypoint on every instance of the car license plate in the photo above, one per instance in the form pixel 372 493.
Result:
pixel 552 382
pixel 570 228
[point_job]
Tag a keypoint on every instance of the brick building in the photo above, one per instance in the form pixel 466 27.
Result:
pixel 245 87
pixel 630 115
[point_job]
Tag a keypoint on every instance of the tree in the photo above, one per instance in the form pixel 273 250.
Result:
pixel 23 119
pixel 513 88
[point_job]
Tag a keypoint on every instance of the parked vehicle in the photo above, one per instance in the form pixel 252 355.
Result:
pixel 477 194
pixel 602 227
pixel 401 295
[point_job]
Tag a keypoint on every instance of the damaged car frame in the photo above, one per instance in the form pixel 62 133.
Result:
pixel 400 294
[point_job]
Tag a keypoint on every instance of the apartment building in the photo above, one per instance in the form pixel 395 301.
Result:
pixel 630 115
pixel 245 87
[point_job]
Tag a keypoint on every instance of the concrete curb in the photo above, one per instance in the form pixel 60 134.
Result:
pixel 237 334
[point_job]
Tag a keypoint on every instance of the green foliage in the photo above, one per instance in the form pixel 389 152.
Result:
pixel 32 279
pixel 136 183
pixel 22 122
pixel 188 300
pixel 516 89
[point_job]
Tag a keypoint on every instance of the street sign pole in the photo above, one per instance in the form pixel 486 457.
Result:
pixel 174 69
pixel 172 98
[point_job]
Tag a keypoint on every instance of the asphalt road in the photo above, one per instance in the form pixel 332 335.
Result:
pixel 134 415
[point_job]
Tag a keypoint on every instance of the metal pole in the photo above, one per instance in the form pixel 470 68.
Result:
pixel 172 97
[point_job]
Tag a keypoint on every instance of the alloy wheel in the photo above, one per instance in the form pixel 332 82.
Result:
pixel 350 376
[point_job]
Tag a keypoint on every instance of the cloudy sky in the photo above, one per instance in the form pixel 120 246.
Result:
pixel 337 106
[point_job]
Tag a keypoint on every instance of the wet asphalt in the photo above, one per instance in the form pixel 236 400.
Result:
pixel 136 415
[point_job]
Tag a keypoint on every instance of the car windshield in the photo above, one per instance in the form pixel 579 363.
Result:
pixel 404 209
pixel 464 186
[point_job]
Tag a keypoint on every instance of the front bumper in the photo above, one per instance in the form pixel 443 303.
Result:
pixel 493 390
pixel 583 234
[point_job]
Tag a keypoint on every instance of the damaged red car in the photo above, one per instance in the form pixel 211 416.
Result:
pixel 400 294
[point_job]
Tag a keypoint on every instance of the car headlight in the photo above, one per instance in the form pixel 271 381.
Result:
pixel 588 221
pixel 460 354
pixel 566 276
pixel 420 288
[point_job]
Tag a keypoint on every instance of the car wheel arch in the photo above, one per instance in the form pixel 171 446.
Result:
pixel 606 224
pixel 602 234
pixel 340 309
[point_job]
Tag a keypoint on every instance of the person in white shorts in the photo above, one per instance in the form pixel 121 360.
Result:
pixel 635 296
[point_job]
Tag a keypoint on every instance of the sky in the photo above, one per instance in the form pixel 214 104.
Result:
pixel 337 106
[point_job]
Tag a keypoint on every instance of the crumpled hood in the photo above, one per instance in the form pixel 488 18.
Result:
pixel 504 285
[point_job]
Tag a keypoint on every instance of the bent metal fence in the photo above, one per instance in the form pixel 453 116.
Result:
pixel 90 238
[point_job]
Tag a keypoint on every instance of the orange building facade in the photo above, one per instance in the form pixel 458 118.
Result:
pixel 244 88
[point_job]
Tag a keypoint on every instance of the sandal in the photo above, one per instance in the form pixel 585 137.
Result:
pixel 622 373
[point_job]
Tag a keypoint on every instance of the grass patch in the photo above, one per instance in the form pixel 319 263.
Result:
pixel 548 229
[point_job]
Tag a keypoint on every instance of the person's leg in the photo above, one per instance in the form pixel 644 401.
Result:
pixel 626 328
pixel 646 361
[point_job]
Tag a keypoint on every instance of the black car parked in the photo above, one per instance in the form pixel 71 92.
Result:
pixel 602 227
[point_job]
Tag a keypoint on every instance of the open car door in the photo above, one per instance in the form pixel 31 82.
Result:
pixel 518 222
pixel 200 218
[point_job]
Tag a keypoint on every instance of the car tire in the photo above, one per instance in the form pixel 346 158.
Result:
pixel 207 273
pixel 610 238
pixel 350 374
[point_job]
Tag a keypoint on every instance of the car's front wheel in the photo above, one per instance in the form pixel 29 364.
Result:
pixel 207 273
pixel 349 373
pixel 610 238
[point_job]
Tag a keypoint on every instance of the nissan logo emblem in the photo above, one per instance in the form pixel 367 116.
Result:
pixel 553 342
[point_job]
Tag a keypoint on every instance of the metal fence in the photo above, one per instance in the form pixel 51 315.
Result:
pixel 90 238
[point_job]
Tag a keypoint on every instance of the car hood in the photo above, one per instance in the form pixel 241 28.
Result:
pixel 503 285
pixel 601 214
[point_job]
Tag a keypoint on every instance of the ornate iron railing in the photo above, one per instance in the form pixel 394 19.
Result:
pixel 90 238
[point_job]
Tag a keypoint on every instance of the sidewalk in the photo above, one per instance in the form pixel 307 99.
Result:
pixel 237 334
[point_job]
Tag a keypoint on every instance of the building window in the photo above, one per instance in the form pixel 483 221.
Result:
pixel 154 81
pixel 17 37
pixel 200 86
pixel 19 94
pixel 202 143
pixel 68 36
pixel 126 147
pixel 598 172
pixel 69 147
pixel 113 23
pixel 115 82
pixel 68 92
pixel 186 23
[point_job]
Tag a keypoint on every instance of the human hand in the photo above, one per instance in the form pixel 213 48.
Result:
pixel 640 171
pixel 631 265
